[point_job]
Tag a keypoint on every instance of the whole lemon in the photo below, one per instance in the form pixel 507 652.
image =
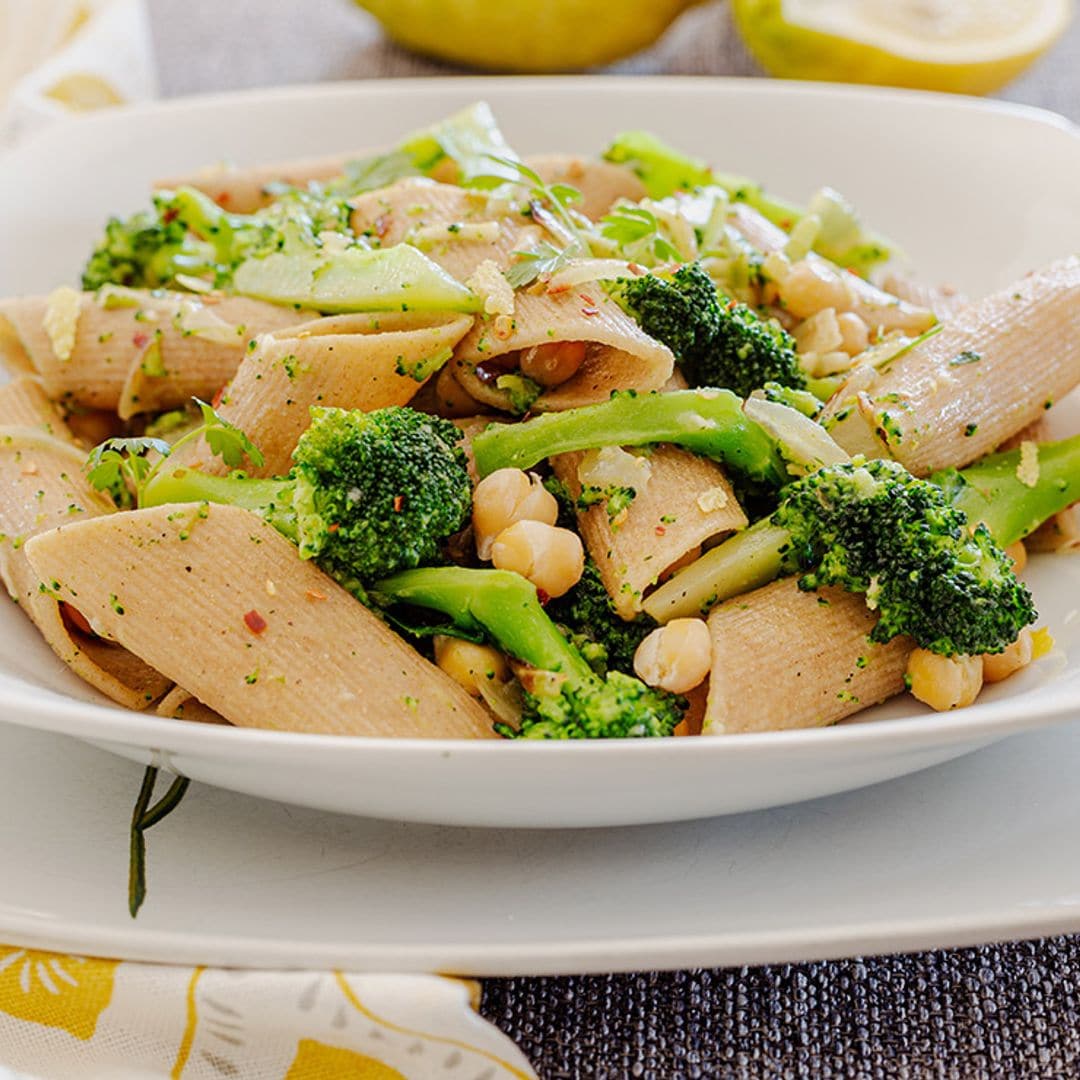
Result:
pixel 526 35
pixel 966 46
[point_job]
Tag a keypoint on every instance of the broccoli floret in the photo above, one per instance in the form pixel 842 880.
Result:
pixel 586 611
pixel 578 704
pixel 616 498
pixel 369 493
pixel 989 491
pixel 873 528
pixel 148 249
pixel 707 422
pixel 716 343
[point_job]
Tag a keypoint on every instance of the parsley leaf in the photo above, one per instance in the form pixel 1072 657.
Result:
pixel 119 466
pixel 637 233
pixel 226 440
pixel 543 261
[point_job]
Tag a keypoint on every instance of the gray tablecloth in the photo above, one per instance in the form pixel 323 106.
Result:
pixel 1009 1010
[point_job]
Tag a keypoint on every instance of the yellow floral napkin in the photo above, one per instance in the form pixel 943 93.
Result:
pixel 68 1016
pixel 71 1016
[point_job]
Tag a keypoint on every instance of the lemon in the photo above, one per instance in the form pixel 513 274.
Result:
pixel 526 35
pixel 966 46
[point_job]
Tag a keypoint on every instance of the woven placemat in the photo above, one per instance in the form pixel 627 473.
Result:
pixel 1008 1010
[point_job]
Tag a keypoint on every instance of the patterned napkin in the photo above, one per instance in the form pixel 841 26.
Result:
pixel 66 1016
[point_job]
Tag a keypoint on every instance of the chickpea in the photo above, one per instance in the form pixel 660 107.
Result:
pixel 1018 553
pixel 944 682
pixel 505 497
pixel 553 364
pixel 854 332
pixel 811 286
pixel 676 657
pixel 551 558
pixel 998 666
pixel 466 663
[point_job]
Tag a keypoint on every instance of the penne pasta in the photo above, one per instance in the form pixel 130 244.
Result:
pixel 243 190
pixel 943 300
pixel 456 227
pixel 985 376
pixel 686 501
pixel 179 704
pixel 42 486
pixel 616 353
pixel 348 361
pixel 256 634
pixel 601 183
pixel 133 352
pixel 784 658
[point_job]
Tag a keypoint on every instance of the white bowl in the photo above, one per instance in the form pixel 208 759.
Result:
pixel 977 192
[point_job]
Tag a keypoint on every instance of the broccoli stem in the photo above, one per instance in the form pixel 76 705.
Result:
pixel 990 491
pixel 271 499
pixel 707 422
pixel 499 602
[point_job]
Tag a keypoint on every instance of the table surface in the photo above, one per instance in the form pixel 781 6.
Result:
pixel 1011 1010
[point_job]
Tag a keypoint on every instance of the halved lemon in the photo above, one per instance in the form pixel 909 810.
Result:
pixel 965 46
pixel 526 35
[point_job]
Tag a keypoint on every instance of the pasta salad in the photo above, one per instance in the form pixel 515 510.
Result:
pixel 450 442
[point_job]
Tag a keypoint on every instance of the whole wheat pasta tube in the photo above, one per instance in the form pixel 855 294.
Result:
pixel 881 311
pixel 784 658
pixel 215 597
pixel 142 353
pixel 601 183
pixel 686 501
pixel 243 190
pixel 180 704
pixel 943 300
pixel 453 226
pixel 24 403
pixel 348 361
pixel 42 486
pixel 618 354
pixel 986 375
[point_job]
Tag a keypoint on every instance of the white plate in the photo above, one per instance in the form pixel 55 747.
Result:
pixel 978 192
pixel 973 851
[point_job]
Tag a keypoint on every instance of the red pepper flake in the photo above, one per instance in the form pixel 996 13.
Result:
pixel 333 528
pixel 140 340
pixel 732 305
pixel 216 402
pixel 399 502
pixel 637 268
pixel 314 595
pixel 542 596
pixel 786 224
pixel 255 622
pixel 587 298
pixel 660 530
pixel 588 312
pixel 224 198
pixel 170 216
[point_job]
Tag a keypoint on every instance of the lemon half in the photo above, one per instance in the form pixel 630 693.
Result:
pixel 965 46
pixel 526 35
